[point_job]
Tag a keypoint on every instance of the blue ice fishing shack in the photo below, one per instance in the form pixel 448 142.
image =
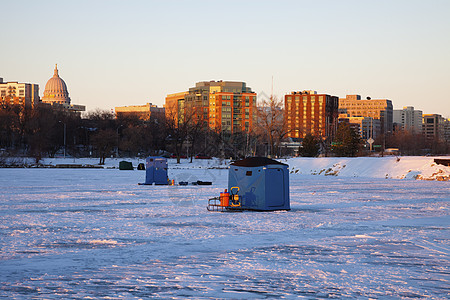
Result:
pixel 263 183
pixel 156 170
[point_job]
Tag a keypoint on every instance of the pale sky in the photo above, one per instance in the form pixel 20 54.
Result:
pixel 117 53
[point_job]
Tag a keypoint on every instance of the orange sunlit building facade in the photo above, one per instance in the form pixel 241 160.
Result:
pixel 174 104
pixel 143 112
pixel 378 109
pixel 309 112
pixel 223 106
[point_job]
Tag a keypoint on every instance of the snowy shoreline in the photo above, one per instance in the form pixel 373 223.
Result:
pixel 407 167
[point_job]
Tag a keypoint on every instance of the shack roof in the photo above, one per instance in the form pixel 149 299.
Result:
pixel 256 162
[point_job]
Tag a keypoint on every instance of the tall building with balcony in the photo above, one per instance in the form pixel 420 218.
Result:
pixel 22 94
pixel 309 112
pixel 433 126
pixel 223 106
pixel 408 119
pixel 380 109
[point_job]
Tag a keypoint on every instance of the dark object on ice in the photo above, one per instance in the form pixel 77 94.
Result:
pixel 442 161
pixel 183 183
pixel 156 170
pixel 199 182
pixel 141 166
pixel 263 183
pixel 65 166
pixel 125 165
pixel 73 166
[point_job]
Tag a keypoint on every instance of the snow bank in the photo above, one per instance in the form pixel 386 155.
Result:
pixel 409 167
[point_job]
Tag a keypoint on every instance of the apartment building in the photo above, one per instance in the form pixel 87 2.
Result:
pixel 309 112
pixel 433 126
pixel 223 106
pixel 380 109
pixel 408 119
pixel 23 94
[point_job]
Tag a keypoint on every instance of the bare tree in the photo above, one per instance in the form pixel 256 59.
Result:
pixel 10 134
pixel 104 141
pixel 271 124
pixel 103 128
pixel 101 119
pixel 179 127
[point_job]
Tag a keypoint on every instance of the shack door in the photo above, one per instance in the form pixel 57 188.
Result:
pixel 275 187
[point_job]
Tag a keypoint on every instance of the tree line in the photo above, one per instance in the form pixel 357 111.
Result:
pixel 47 132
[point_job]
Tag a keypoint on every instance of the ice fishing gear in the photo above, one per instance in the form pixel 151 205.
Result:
pixel 226 202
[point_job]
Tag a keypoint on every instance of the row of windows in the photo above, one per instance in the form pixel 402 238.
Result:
pixel 297 105
pixel 304 102
pixel 297 98
pixel 370 106
pixel 320 123
pixel 313 112
pixel 228 103
pixel 228 116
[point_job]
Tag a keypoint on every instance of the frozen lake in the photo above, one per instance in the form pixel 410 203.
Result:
pixel 95 233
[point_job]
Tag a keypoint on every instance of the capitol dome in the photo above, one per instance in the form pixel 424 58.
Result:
pixel 56 90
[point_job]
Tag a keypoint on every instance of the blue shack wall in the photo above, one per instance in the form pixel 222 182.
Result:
pixel 277 188
pixel 149 170
pixel 156 170
pixel 261 188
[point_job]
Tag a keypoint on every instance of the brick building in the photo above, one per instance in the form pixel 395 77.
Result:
pixel 309 112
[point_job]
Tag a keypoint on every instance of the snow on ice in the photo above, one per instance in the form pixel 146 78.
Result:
pixel 96 233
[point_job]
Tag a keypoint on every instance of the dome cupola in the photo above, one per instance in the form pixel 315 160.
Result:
pixel 56 90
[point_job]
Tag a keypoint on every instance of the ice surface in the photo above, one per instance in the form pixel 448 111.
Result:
pixel 95 233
